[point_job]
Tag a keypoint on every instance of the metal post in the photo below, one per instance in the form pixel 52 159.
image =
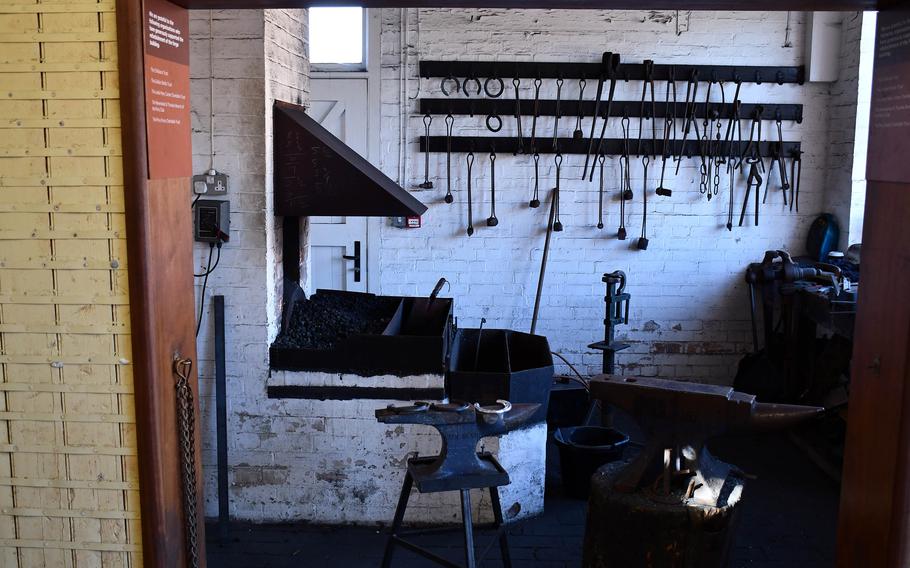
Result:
pixel 224 512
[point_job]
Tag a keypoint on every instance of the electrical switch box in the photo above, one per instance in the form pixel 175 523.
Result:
pixel 210 183
pixel 211 221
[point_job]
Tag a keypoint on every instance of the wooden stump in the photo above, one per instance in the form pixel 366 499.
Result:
pixel 631 530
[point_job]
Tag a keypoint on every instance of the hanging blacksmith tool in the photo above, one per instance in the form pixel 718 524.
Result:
pixel 470 160
pixel 643 241
pixel 611 60
pixel 648 82
pixel 427 184
pixel 775 159
pixel 733 121
pixel 627 152
pixel 703 142
pixel 754 180
pixel 516 82
pixel 784 183
pixel 731 172
pixel 537 83
pixel 556 117
pixel 671 84
pixel 796 174
pixel 625 181
pixel 578 134
pixel 535 199
pixel 543 261
pixel 665 151
pixel 450 122
pixel 680 417
pixel 492 221
pixel 557 224
pixel 604 64
pixel 600 193
pixel 689 118
pixel 734 126
pixel 715 151
pixel 752 147
pixel 491 93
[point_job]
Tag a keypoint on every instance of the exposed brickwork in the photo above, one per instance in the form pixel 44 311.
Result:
pixel 688 285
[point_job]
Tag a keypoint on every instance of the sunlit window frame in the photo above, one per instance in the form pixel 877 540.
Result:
pixel 349 67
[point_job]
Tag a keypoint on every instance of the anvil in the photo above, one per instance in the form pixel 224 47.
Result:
pixel 459 465
pixel 679 417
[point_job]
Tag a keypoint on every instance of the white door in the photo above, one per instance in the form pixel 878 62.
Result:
pixel 337 256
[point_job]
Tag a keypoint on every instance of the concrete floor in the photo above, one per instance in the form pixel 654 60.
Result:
pixel 789 520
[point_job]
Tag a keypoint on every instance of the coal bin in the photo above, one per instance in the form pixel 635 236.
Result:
pixel 326 319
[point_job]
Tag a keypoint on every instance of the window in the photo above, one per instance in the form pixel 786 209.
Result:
pixel 337 39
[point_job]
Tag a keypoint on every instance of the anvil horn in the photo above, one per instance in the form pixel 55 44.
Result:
pixel 769 416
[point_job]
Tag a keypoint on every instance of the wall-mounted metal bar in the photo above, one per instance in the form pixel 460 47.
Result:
pixel 626 71
pixel 506 107
pixel 610 147
pixel 224 504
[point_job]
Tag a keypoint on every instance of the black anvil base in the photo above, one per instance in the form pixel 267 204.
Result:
pixel 632 530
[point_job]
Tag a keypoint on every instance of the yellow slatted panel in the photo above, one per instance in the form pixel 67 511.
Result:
pixel 68 476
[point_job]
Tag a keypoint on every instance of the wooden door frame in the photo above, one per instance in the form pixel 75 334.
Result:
pixel 867 526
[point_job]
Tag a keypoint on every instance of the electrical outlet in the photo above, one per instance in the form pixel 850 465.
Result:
pixel 210 183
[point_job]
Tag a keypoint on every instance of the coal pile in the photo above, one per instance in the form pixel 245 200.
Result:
pixel 326 319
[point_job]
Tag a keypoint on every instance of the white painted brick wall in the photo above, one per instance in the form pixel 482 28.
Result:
pixel 258 56
pixel 689 315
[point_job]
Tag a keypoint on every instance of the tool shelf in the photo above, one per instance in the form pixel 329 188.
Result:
pixel 610 146
pixel 569 109
pixel 625 72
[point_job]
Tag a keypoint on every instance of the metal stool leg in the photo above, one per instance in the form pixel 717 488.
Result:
pixel 399 517
pixel 468 528
pixel 503 534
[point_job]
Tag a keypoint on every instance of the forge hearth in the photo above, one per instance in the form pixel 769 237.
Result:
pixel 366 334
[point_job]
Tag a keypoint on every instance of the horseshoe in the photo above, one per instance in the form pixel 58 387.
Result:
pixel 486 87
pixel 442 85
pixel 476 81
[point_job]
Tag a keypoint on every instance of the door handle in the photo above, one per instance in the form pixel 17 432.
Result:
pixel 356 258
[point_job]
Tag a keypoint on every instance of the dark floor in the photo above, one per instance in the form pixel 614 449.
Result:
pixel 789 519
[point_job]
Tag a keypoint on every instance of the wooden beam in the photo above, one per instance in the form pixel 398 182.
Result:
pixel 874 518
pixel 739 5
pixel 162 311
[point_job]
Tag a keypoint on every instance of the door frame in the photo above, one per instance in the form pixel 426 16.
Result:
pixel 374 107
pixel 155 339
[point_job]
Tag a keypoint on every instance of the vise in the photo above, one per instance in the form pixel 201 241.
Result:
pixel 678 417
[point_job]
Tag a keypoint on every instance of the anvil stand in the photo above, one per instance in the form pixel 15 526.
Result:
pixel 458 467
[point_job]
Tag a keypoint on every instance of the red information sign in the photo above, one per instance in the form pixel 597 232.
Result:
pixel 167 89
pixel 889 141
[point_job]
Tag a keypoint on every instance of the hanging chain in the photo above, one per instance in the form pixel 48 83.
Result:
pixel 186 426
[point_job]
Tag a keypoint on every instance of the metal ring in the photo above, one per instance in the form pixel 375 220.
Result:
pixel 498 122
pixel 464 86
pixel 442 85
pixel 486 87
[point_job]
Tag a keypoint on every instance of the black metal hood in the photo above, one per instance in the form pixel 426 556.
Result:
pixel 318 174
